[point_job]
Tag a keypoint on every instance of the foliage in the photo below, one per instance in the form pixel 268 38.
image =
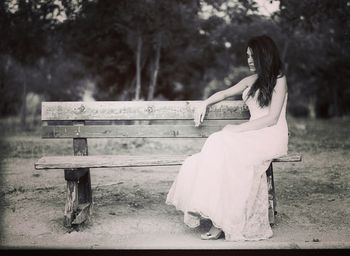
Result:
pixel 173 49
pixel 31 56
pixel 318 55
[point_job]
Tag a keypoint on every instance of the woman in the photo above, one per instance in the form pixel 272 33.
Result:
pixel 226 181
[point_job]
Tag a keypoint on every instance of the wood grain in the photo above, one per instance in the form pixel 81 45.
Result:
pixel 71 203
pixel 129 131
pixel 109 161
pixel 139 110
pixel 291 157
pixel 83 213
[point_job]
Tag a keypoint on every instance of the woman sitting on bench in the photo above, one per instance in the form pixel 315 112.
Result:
pixel 226 181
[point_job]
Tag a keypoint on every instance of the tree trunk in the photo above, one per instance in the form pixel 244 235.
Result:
pixel 284 56
pixel 138 67
pixel 335 111
pixel 154 72
pixel 312 107
pixel 24 102
pixel 132 83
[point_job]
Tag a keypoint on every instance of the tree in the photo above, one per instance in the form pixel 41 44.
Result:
pixel 318 52
pixel 24 25
pixel 126 41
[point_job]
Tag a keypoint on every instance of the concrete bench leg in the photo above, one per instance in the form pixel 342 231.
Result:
pixel 79 197
pixel 272 195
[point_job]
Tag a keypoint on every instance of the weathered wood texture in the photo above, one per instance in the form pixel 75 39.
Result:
pixel 71 203
pixel 109 161
pixel 78 200
pixel 139 110
pixel 291 157
pixel 271 194
pixel 80 148
pixel 57 162
pixel 129 131
pixel 83 213
pixel 79 180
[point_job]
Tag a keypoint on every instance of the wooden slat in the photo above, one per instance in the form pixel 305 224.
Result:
pixel 129 131
pixel 139 110
pixel 291 157
pixel 67 162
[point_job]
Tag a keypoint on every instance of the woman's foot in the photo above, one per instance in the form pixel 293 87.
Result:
pixel 213 234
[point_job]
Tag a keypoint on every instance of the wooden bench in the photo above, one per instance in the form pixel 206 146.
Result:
pixel 129 119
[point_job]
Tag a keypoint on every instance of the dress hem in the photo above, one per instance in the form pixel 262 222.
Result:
pixel 204 216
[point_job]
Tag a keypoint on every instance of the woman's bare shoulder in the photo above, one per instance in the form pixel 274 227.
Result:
pixel 281 83
pixel 281 79
pixel 249 80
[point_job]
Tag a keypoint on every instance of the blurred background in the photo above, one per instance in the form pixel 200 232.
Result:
pixel 62 50
pixel 112 50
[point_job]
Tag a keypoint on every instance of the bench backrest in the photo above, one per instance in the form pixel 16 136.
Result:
pixel 136 119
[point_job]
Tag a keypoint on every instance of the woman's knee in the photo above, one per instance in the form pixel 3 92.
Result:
pixel 215 138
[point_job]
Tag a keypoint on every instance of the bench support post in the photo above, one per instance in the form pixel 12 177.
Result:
pixel 79 195
pixel 272 195
pixel 79 202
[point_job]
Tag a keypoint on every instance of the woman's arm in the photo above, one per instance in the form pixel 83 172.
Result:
pixel 233 90
pixel 221 95
pixel 272 117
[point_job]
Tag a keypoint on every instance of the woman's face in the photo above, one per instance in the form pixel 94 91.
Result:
pixel 250 60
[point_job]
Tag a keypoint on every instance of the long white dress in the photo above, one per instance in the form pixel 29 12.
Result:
pixel 226 181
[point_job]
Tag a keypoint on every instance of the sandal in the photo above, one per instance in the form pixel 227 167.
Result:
pixel 210 236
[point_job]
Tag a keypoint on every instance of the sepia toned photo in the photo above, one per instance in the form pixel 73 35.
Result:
pixel 174 124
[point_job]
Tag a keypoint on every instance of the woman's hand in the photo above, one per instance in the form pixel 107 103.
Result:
pixel 199 113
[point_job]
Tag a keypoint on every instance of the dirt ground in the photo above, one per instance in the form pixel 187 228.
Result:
pixel 129 210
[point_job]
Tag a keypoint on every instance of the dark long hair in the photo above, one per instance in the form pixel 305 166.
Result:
pixel 268 67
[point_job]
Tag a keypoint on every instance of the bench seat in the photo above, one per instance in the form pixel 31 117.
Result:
pixel 110 161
